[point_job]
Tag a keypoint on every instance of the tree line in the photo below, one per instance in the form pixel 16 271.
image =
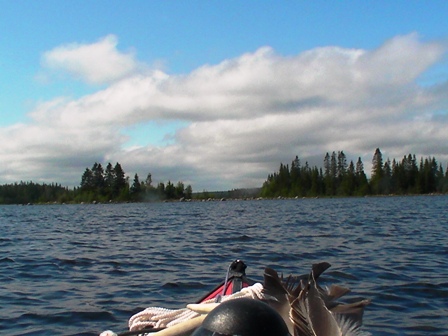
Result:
pixel 97 185
pixel 336 178
pixel 112 184
pixel 339 178
pixel 30 192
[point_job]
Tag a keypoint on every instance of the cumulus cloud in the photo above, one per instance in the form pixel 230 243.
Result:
pixel 95 63
pixel 243 116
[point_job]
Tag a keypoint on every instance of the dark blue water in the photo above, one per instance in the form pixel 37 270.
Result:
pixel 82 269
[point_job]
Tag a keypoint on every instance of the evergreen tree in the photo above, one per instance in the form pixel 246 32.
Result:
pixel 341 165
pixel 119 186
pixel 362 185
pixel 98 178
pixel 377 172
pixel 170 190
pixel 188 192
pixel 109 178
pixel 429 176
pixel 148 181
pixel 411 173
pixel 295 177
pixel 306 178
pixel 161 190
pixel 439 179
pixel 327 175
pixel 136 189
pixel 316 183
pixel 327 165
pixel 387 177
pixel 348 183
pixel 284 179
pixel 87 180
pixel 333 184
pixel 333 169
pixel 180 190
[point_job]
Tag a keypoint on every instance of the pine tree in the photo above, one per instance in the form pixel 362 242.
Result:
pixel 377 172
pixel 87 180
pixel 348 183
pixel 341 165
pixel 180 190
pixel 332 179
pixel 148 181
pixel 329 177
pixel 161 190
pixel 170 190
pixel 136 188
pixel 295 177
pixel 119 185
pixel 387 176
pixel 362 185
pixel 188 192
pixel 439 178
pixel 109 178
pixel 327 165
pixel 98 178
pixel 284 180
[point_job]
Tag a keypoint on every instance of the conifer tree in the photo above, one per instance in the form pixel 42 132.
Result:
pixel 98 178
pixel 341 165
pixel 295 176
pixel 170 190
pixel 188 192
pixel 109 178
pixel 348 182
pixel 120 184
pixel 327 174
pixel 136 188
pixel 377 172
pixel 180 190
pixel 362 185
pixel 387 176
pixel 87 181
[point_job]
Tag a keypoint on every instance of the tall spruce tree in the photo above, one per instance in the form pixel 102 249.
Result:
pixel 87 181
pixel 98 178
pixel 362 184
pixel 348 183
pixel 120 184
pixel 136 189
pixel 109 178
pixel 341 165
pixel 377 172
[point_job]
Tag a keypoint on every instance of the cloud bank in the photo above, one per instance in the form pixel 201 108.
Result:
pixel 243 116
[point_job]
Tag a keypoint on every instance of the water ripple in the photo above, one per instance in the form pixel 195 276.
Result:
pixel 81 269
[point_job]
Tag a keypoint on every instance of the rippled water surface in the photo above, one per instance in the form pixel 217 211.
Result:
pixel 82 269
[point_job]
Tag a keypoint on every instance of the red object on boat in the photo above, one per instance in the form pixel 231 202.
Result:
pixel 235 280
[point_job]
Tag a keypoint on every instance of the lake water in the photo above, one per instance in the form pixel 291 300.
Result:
pixel 82 269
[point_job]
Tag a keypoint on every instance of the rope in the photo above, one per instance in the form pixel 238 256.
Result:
pixel 157 317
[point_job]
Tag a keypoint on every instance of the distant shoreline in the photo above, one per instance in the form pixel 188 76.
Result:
pixel 279 198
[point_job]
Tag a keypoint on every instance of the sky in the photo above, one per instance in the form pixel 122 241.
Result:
pixel 217 94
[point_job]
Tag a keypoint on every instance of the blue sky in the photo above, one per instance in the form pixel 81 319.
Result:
pixel 196 91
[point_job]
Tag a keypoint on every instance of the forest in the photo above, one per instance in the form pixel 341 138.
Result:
pixel 339 178
pixel 98 185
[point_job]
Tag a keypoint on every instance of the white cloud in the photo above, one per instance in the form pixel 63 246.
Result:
pixel 95 63
pixel 244 116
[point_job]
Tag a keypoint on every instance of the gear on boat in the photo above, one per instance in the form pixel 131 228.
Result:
pixel 243 317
